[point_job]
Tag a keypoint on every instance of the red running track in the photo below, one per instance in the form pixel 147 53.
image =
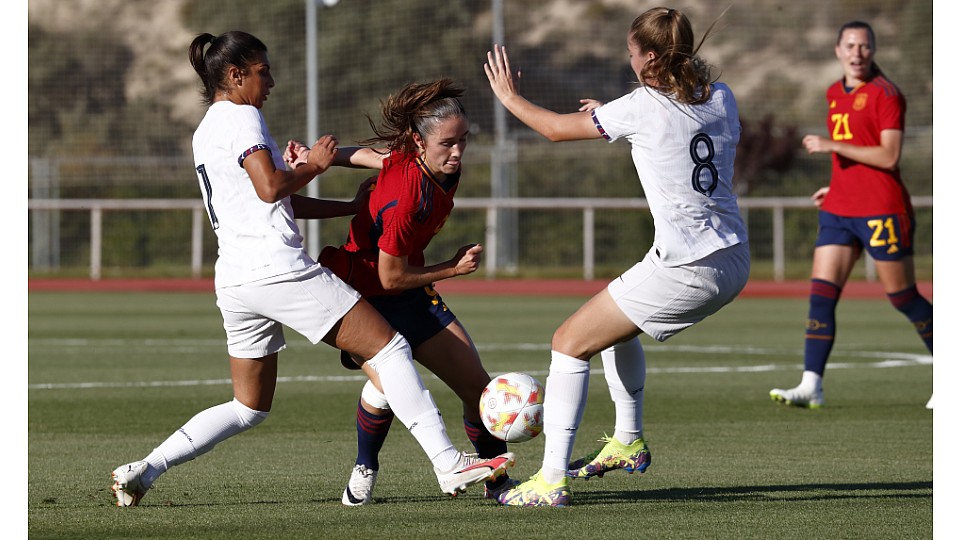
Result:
pixel 541 287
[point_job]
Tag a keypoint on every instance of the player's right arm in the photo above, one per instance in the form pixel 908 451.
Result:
pixel 885 156
pixel 552 125
pixel 273 184
pixel 397 275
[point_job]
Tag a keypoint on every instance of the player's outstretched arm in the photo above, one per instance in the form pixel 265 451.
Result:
pixel 358 157
pixel 361 157
pixel 550 124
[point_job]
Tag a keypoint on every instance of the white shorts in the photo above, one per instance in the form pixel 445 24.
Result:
pixel 309 301
pixel 664 300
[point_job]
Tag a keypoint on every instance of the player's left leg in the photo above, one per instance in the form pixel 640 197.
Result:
pixel 452 356
pixel 598 324
pixel 901 288
pixel 900 285
pixel 254 384
pixel 625 369
pixel 832 264
pixel 374 418
pixel 893 254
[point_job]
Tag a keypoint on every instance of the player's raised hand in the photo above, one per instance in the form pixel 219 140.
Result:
pixel 468 259
pixel 499 74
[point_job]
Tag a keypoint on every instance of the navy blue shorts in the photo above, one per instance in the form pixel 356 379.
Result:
pixel 418 314
pixel 887 237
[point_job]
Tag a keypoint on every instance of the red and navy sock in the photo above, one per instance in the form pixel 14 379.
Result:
pixel 821 325
pixel 486 445
pixel 920 312
pixel 372 431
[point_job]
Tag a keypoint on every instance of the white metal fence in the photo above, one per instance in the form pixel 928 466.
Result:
pixel 589 207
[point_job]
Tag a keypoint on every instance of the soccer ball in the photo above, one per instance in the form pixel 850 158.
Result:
pixel 511 407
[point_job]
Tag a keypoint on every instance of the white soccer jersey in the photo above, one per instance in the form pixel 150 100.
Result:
pixel 256 239
pixel 684 156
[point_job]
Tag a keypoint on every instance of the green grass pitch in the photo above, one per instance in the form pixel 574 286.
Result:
pixel 112 374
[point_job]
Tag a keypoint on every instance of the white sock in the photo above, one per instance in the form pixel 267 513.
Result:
pixel 374 397
pixel 811 381
pixel 199 435
pixel 411 402
pixel 564 399
pixel 625 368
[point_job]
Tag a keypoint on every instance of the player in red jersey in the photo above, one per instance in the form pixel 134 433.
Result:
pixel 266 281
pixel 424 128
pixel 865 208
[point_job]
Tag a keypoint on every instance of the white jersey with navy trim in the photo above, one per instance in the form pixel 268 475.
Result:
pixel 684 156
pixel 256 239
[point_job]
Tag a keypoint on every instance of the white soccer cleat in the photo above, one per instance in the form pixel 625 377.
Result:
pixel 359 490
pixel 930 403
pixel 471 469
pixel 798 397
pixel 127 485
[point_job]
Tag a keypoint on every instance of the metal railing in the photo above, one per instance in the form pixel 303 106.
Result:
pixel 589 207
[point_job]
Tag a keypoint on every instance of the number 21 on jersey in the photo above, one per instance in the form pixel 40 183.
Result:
pixel 841 126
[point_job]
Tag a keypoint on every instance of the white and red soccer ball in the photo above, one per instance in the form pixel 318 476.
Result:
pixel 511 407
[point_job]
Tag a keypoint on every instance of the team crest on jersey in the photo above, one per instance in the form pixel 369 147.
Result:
pixel 860 102
pixel 833 104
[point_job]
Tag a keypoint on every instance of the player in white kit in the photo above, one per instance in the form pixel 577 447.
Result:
pixel 265 280
pixel 683 130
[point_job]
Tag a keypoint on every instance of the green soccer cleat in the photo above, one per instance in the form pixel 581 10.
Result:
pixel 798 397
pixel 536 492
pixel 613 455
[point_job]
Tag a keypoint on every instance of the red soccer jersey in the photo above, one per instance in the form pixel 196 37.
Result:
pixel 857 117
pixel 407 208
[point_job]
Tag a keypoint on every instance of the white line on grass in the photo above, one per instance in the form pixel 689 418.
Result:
pixel 887 360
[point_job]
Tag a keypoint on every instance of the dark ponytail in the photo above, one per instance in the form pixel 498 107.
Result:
pixel 234 48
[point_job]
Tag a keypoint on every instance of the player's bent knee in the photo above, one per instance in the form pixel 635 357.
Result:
pixel 248 417
pixel 374 397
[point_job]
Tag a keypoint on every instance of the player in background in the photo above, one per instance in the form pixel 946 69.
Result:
pixel 264 278
pixel 865 208
pixel 421 140
pixel 683 130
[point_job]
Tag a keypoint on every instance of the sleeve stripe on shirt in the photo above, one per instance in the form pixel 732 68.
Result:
pixel 251 150
pixel 888 87
pixel 603 132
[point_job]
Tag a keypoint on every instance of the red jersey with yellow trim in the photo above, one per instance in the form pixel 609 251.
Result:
pixel 407 208
pixel 857 117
